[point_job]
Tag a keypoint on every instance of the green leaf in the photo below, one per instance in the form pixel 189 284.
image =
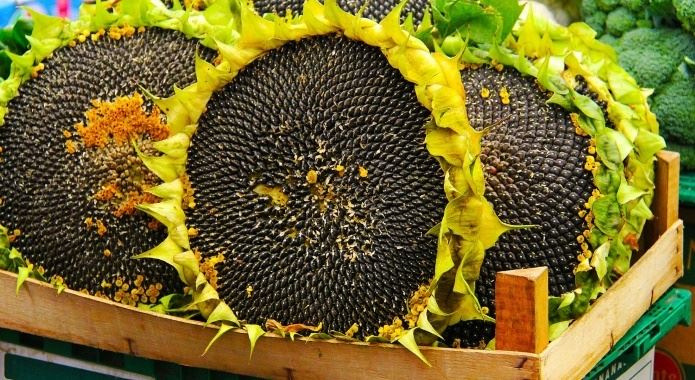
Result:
pixel 588 107
pixel 168 212
pixel 224 328
pixel 556 329
pixel 608 150
pixel 560 100
pixel 255 332
pixel 408 341
pixel 622 143
pixel 167 168
pixel 648 144
pixel 174 146
pixel 638 215
pixel 4 239
pixel 424 324
pixel 627 193
pixel 434 231
pixel 45 26
pixel 479 22
pixel 621 256
pixel 446 143
pixel 168 190
pixel 607 214
pixel 22 275
pixel 598 259
pixel 510 10
pixel 491 227
pixel 462 216
pixel 607 181
pixel 567 299
pixel 320 336
pixel 433 307
pixel 549 80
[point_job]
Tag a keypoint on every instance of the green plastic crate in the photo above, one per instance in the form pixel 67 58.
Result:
pixel 686 191
pixel 671 309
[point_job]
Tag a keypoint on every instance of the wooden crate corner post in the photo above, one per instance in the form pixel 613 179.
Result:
pixel 666 196
pixel 521 301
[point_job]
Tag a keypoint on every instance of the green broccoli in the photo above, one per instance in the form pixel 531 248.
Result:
pixel 634 5
pixel 608 39
pixel 588 8
pixel 652 55
pixel 655 43
pixel 674 106
pixel 597 22
pixel 661 7
pixel 607 5
pixel 687 153
pixel 644 23
pixel 685 11
pixel 619 21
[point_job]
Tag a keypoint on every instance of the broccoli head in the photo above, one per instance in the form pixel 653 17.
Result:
pixel 661 7
pixel 597 22
pixel 674 106
pixel 607 5
pixel 619 21
pixel 608 39
pixel 685 12
pixel 652 55
pixel 644 23
pixel 687 153
pixel 634 5
pixel 588 8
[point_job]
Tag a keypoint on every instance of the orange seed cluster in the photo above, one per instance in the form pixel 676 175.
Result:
pixel 119 121
pixel 504 95
pixel 132 292
pixel 207 267
pixel 392 331
pixel 417 304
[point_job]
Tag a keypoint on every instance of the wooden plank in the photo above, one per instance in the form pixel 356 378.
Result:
pixel 521 300
pixel 592 336
pixel 665 203
pixel 82 319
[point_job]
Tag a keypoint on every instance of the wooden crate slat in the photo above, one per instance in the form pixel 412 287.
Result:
pixel 665 203
pixel 83 319
pixel 521 298
pixel 592 336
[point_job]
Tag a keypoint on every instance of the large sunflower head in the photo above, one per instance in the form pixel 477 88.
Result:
pixel 76 114
pixel 568 151
pixel 317 202
pixel 313 187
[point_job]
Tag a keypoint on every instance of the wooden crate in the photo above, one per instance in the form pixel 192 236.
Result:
pixel 82 319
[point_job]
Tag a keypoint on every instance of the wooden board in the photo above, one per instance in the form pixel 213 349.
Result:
pixel 82 319
pixel 521 298
pixel 665 201
pixel 591 337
